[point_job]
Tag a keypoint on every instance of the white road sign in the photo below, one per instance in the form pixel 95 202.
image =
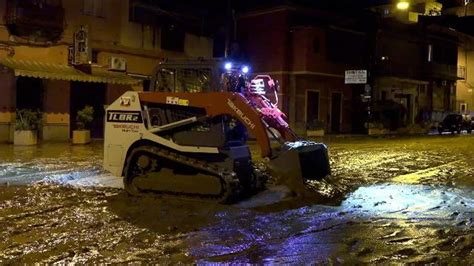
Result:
pixel 355 77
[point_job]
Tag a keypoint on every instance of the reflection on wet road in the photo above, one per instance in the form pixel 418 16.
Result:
pixel 406 201
pixel 55 162
pixel 379 223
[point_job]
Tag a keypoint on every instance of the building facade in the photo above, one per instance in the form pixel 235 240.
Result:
pixel 464 10
pixel 415 73
pixel 35 59
pixel 415 64
pixel 465 86
pixel 308 53
pixel 410 59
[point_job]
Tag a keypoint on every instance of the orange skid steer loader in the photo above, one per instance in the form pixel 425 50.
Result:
pixel 194 144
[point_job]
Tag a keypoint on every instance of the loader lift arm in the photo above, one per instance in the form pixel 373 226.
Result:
pixel 220 103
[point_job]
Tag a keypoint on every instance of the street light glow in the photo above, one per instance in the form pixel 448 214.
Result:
pixel 403 5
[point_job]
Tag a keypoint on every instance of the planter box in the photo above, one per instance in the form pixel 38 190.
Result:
pixel 418 130
pixel 81 136
pixel 315 133
pixel 403 131
pixel 377 131
pixel 25 137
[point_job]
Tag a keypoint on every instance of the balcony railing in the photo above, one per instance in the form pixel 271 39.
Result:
pixel 399 69
pixel 44 21
pixel 444 71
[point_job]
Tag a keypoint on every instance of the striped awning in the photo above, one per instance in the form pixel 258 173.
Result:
pixel 35 69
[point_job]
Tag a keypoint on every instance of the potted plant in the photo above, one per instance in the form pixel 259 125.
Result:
pixel 82 135
pixel 315 128
pixel 27 123
pixel 376 129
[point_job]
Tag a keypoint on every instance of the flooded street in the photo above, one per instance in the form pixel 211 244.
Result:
pixel 398 200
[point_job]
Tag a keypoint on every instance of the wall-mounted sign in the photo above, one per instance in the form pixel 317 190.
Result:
pixel 82 50
pixel 365 98
pixel 355 77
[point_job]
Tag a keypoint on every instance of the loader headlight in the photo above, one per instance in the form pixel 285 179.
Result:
pixel 228 66
pixel 245 69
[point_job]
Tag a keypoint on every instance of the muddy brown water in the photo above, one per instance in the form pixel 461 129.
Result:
pixel 388 201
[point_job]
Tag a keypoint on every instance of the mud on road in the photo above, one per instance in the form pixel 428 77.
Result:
pixel 403 200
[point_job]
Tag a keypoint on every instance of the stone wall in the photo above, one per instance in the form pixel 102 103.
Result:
pixel 7 105
pixel 56 122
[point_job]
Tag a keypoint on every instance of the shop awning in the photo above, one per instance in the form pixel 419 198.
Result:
pixel 35 69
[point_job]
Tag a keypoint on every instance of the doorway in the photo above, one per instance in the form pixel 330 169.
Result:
pixel 463 108
pixel 406 111
pixel 92 94
pixel 336 107
pixel 312 106
pixel 359 110
pixel 29 93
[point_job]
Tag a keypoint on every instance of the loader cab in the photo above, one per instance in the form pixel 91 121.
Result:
pixel 195 76
pixel 199 76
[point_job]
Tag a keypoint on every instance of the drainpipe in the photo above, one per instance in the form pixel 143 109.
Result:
pixel 290 78
pixel 372 55
pixel 228 27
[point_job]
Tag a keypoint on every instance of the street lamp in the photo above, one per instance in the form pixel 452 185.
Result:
pixel 403 5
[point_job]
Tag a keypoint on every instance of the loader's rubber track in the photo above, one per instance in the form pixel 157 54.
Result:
pixel 230 185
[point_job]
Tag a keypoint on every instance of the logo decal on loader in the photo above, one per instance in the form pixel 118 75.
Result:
pixel 177 101
pixel 125 101
pixel 124 116
pixel 240 114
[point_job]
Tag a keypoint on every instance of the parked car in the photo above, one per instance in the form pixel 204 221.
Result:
pixel 455 123
pixel 469 123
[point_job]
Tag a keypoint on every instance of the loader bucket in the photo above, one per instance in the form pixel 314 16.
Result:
pixel 301 160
